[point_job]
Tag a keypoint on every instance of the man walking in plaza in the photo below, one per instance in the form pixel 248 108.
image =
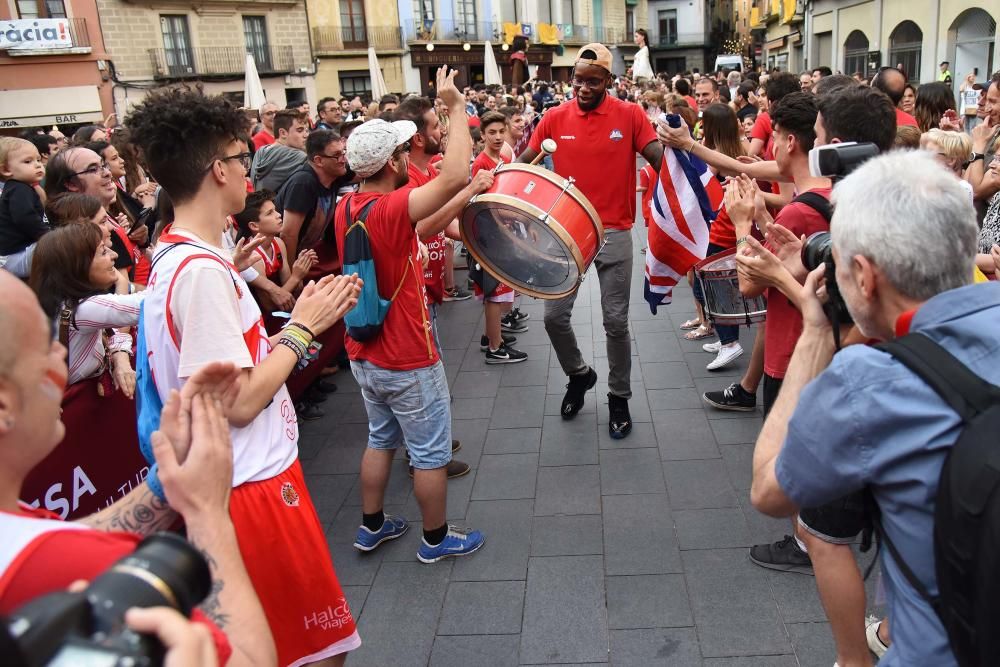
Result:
pixel 598 137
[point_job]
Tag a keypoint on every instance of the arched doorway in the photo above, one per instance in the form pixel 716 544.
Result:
pixel 971 43
pixel 855 53
pixel 905 44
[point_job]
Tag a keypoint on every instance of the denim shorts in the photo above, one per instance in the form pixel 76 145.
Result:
pixel 411 408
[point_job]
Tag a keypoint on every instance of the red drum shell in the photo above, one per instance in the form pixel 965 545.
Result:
pixel 507 231
pixel 724 304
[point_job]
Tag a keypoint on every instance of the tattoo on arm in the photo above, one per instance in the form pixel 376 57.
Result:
pixel 211 606
pixel 143 515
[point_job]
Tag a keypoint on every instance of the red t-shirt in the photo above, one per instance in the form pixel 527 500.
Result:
pixel 434 273
pixel 598 149
pixel 903 118
pixel 691 102
pixel 784 321
pixel 261 139
pixel 43 557
pixel 648 180
pixel 762 130
pixel 406 341
pixel 723 231
pixel 483 161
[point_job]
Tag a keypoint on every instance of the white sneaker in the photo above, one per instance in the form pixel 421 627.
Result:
pixel 712 348
pixel 727 354
pixel 875 644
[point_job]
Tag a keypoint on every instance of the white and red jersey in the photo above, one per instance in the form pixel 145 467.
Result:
pixel 272 264
pixel 269 444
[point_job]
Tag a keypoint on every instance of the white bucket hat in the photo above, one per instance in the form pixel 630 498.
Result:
pixel 372 144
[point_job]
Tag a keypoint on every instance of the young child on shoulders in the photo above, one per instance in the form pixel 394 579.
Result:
pixel 260 216
pixel 22 213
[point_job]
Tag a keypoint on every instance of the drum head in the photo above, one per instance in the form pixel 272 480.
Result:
pixel 519 249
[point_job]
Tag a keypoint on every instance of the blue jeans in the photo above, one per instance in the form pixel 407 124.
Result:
pixel 408 407
pixel 727 334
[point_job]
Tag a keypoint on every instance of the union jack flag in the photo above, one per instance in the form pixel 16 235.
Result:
pixel 686 200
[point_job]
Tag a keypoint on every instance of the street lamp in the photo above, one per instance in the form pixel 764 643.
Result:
pixel 466 46
pixel 430 46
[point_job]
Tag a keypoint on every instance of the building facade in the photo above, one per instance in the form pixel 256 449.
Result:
pixel 778 31
pixel 159 42
pixel 342 31
pixel 863 36
pixel 679 36
pixel 53 65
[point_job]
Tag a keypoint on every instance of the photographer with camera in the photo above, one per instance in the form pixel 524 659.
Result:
pixel 40 554
pixel 862 419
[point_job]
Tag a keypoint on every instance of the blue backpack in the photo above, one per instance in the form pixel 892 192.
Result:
pixel 364 321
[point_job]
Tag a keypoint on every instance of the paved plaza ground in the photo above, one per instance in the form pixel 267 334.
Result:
pixel 629 552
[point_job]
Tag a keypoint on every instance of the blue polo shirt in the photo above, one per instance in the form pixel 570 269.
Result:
pixel 868 421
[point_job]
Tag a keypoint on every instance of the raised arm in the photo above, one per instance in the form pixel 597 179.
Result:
pixel 680 137
pixel 454 170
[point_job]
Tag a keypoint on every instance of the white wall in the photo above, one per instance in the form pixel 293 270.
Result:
pixel 690 17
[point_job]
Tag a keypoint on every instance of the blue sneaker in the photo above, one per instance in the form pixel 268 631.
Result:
pixel 392 527
pixel 457 542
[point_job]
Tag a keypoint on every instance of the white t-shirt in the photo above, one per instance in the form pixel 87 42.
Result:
pixel 198 309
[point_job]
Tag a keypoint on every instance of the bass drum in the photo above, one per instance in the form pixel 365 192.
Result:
pixel 533 230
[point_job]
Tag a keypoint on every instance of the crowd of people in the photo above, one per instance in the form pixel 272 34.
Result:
pixel 203 278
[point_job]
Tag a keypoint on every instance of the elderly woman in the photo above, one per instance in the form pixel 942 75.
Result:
pixel 72 276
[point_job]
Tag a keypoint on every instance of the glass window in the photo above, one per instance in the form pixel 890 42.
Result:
pixel 352 21
pixel 545 11
pixel 355 83
pixel 255 36
pixel 508 11
pixel 667 23
pixel 904 49
pixel 465 19
pixel 41 9
pixel 568 15
pixel 176 44
pixel 856 53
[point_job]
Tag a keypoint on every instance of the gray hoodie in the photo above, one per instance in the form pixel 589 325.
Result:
pixel 273 164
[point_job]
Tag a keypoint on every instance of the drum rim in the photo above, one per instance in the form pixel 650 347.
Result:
pixel 559 181
pixel 557 228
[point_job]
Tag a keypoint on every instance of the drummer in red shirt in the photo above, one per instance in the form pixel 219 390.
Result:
pixel 597 137
pixel 400 372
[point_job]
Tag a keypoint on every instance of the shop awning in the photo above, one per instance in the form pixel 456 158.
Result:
pixel 44 107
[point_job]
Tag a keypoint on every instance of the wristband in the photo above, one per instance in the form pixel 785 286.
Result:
pixel 303 327
pixel 154 484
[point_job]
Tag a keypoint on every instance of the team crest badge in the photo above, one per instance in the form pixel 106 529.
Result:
pixel 289 494
pixel 616 135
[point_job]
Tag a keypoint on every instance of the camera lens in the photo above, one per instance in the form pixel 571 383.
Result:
pixel 816 250
pixel 164 570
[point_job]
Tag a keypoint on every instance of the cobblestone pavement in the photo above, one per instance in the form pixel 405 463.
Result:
pixel 630 552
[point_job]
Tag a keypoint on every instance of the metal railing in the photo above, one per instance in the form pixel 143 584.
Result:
pixel 609 35
pixel 441 30
pixel 218 61
pixel 579 34
pixel 679 40
pixel 328 39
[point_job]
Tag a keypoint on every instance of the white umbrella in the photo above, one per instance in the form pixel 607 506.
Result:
pixel 491 71
pixel 253 92
pixel 375 73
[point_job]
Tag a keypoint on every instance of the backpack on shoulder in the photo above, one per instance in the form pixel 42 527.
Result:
pixel 967 509
pixel 364 321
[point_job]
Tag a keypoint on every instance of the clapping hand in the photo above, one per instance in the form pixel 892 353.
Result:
pixel 788 249
pixel 675 137
pixel 446 89
pixel 218 381
pixel 758 265
pixel 740 204
pixel 304 262
pixel 242 255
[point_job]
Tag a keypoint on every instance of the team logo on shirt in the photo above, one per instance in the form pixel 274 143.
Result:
pixel 568 136
pixel 289 494
pixel 616 135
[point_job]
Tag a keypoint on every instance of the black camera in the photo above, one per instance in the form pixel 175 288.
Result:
pixel 88 628
pixel 818 251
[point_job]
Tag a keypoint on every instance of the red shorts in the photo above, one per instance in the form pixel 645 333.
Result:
pixel 501 294
pixel 288 560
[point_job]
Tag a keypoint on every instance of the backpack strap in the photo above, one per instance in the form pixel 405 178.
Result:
pixel 816 202
pixel 964 391
pixel 362 217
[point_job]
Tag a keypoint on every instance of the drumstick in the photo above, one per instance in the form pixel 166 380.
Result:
pixel 548 148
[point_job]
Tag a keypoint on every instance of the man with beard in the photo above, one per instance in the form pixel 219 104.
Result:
pixel 400 371
pixel 598 138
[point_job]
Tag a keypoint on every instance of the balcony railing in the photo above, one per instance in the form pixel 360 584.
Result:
pixel 79 41
pixel 580 34
pixel 608 35
pixel 218 61
pixel 679 40
pixel 452 31
pixel 330 39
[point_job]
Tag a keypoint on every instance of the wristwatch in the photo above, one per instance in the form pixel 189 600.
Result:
pixel 976 156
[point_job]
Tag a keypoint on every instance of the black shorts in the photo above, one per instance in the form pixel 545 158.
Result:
pixel 772 386
pixel 837 522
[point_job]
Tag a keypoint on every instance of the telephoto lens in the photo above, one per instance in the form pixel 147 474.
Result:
pixel 88 628
pixel 818 251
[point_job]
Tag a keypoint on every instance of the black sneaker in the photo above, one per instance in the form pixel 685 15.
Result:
pixel 510 325
pixel 575 390
pixel 620 421
pixel 505 355
pixel 734 397
pixel 783 555
pixel 484 342
pixel 313 396
pixel 325 386
pixel 457 294
pixel 519 316
pixel 307 412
